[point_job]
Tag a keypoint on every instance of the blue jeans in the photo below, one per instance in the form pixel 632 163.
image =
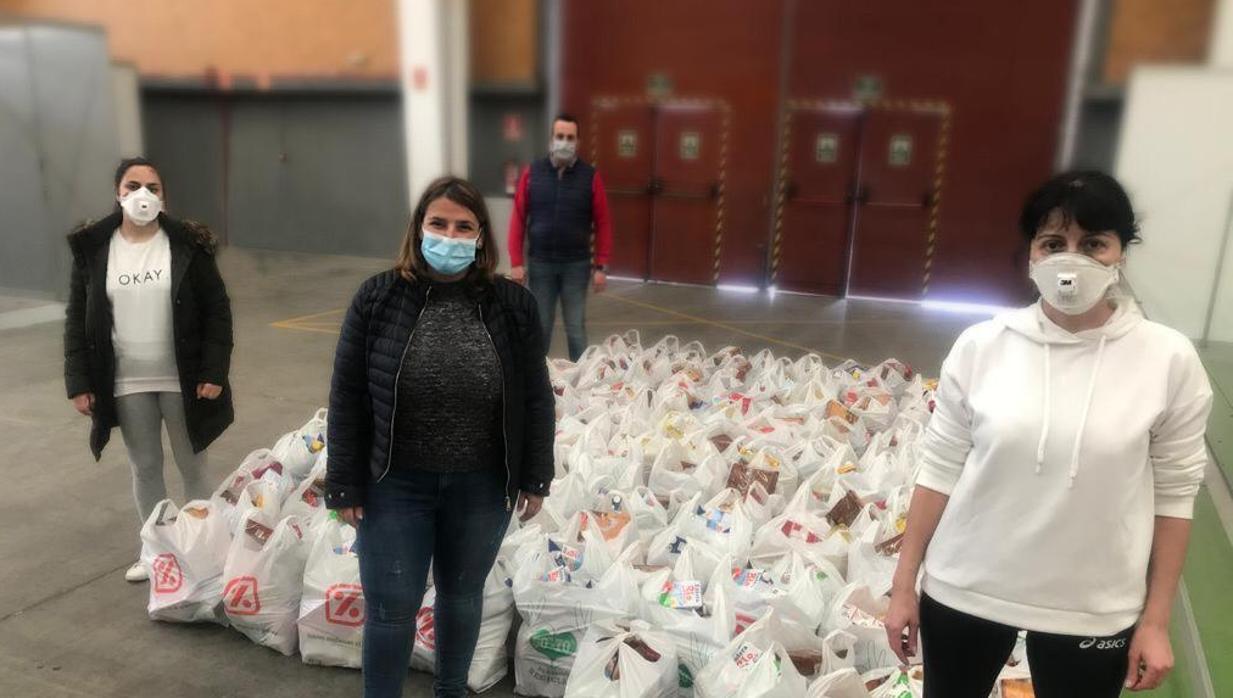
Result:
pixel 567 281
pixel 456 521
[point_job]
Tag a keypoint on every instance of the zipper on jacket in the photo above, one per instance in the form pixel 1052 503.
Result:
pixel 389 457
pixel 504 436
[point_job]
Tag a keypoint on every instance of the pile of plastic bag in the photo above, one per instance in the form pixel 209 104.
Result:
pixel 719 525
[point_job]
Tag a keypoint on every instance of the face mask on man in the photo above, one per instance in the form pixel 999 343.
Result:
pixel 141 206
pixel 564 150
pixel 447 256
pixel 1073 283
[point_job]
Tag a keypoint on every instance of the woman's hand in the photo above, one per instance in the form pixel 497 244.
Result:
pixel 208 391
pixel 352 515
pixel 529 504
pixel 903 616
pixel 84 403
pixel 1151 657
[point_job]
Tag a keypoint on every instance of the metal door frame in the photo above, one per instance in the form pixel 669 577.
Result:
pixel 862 107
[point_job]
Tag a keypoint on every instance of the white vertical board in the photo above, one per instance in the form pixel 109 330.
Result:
pixel 57 147
pixel 126 99
pixel 500 209
pixel 1220 51
pixel 1175 158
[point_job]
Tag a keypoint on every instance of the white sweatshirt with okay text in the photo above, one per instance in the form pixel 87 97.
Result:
pixel 1058 450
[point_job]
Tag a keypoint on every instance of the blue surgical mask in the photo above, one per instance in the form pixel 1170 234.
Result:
pixel 447 256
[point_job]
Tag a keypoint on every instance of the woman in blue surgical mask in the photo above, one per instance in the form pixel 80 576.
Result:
pixel 1057 475
pixel 441 425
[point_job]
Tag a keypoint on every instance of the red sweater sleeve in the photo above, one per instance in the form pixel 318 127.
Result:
pixel 603 221
pixel 518 220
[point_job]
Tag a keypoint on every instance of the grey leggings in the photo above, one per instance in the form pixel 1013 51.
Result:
pixel 141 420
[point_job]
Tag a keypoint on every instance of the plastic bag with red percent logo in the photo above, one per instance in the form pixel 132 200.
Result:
pixel 332 608
pixel 184 551
pixel 263 578
pixel 489 663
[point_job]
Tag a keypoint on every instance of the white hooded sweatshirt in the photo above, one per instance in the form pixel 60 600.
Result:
pixel 1058 450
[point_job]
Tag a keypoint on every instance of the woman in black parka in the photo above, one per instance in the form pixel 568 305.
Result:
pixel 147 338
pixel 441 425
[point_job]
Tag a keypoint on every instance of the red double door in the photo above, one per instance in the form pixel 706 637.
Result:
pixel 858 193
pixel 663 168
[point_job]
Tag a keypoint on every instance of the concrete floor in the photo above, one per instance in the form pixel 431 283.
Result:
pixel 70 625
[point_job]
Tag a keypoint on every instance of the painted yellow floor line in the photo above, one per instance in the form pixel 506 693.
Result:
pixel 305 328
pixel 308 317
pixel 726 326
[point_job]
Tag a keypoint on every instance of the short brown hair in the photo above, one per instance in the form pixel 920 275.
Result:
pixel 411 263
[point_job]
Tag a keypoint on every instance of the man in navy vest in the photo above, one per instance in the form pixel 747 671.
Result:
pixel 559 203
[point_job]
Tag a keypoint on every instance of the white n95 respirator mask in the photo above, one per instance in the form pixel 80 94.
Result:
pixel 1073 283
pixel 141 206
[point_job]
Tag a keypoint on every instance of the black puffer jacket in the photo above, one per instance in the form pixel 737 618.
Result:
pixel 201 323
pixel 374 336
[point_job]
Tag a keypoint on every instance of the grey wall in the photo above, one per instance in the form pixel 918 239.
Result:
pixel 184 137
pixel 58 148
pixel 314 173
pixel 1099 125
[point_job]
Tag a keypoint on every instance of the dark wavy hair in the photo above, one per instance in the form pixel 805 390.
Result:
pixel 411 263
pixel 1092 199
pixel 129 163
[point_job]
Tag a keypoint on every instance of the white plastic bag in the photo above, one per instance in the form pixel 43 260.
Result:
pixel 263 495
pixel 489 664
pixel 297 450
pixel 858 612
pixel 255 466
pixel 824 546
pixel 624 661
pixel 723 522
pixel 838 652
pixel 870 564
pixel 562 586
pixel 307 501
pixel 693 608
pixel 332 609
pixel 895 683
pixel 797 591
pixel 842 683
pixel 184 551
pixel 754 664
pixel 263 578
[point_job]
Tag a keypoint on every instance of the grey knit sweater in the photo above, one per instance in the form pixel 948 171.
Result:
pixel 448 417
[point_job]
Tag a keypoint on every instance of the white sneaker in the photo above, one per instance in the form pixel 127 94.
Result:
pixel 137 573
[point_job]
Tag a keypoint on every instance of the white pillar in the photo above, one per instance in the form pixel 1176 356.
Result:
pixel 126 99
pixel 433 42
pixel 1220 52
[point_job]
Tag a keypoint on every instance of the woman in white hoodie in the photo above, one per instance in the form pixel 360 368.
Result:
pixel 1058 474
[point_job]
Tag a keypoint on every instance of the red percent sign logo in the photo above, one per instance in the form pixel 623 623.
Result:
pixel 241 597
pixel 425 628
pixel 344 605
pixel 167 575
